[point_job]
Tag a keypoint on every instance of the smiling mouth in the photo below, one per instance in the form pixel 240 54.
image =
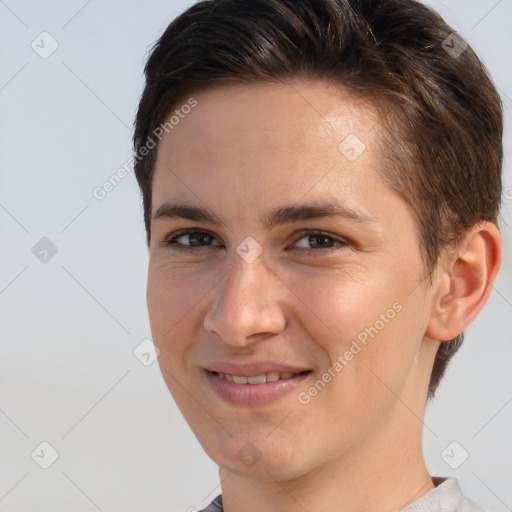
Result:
pixel 258 379
pixel 255 390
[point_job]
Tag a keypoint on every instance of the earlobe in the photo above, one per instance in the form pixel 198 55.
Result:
pixel 465 282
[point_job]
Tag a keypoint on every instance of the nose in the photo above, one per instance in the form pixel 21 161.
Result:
pixel 247 304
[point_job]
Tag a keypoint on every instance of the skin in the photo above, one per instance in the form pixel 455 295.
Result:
pixel 357 445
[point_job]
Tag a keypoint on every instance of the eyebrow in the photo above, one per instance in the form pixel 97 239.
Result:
pixel 277 216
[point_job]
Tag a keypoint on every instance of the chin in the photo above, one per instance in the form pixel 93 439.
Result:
pixel 258 457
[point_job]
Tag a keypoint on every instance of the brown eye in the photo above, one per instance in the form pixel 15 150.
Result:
pixel 315 241
pixel 192 239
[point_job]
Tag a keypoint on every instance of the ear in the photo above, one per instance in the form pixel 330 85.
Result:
pixel 465 281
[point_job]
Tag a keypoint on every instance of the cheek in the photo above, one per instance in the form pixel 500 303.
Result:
pixel 171 297
pixel 365 318
pixel 378 353
pixel 336 306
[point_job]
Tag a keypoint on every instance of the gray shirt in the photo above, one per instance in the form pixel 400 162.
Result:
pixel 446 497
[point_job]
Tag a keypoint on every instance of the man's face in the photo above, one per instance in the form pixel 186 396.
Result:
pixel 337 300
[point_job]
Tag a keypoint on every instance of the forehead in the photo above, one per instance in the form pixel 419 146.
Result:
pixel 295 131
pixel 301 110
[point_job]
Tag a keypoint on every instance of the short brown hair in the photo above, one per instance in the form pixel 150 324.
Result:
pixel 441 111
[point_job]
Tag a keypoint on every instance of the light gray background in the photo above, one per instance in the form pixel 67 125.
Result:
pixel 69 326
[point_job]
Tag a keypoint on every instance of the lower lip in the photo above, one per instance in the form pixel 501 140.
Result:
pixel 254 394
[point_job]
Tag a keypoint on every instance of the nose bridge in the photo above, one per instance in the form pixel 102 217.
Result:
pixel 246 302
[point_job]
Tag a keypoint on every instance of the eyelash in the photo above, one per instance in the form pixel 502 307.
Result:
pixel 172 243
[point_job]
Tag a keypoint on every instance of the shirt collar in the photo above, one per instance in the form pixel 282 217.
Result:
pixel 444 498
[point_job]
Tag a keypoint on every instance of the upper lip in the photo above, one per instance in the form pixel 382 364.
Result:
pixel 253 369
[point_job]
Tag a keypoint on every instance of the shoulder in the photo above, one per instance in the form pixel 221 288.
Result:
pixel 446 497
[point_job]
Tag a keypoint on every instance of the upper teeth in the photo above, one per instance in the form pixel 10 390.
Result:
pixel 256 379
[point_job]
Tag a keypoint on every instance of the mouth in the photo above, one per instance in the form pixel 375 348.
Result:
pixel 253 390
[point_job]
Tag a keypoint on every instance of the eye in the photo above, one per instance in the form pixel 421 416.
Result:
pixel 192 240
pixel 314 241
pixel 188 239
